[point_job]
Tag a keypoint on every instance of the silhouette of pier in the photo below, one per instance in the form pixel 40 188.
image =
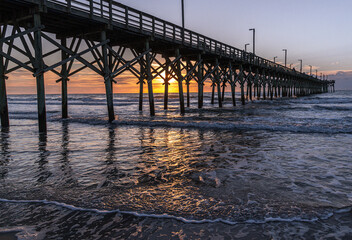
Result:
pixel 97 33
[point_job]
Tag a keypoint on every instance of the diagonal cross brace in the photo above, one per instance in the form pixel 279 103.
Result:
pixel 69 59
pixel 191 70
pixel 130 64
pixel 16 61
pixel 82 60
pixel 3 40
pixel 210 72
pixel 127 64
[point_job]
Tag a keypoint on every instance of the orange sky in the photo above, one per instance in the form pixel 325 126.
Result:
pixel 85 82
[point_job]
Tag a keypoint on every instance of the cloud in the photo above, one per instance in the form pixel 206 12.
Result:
pixel 343 80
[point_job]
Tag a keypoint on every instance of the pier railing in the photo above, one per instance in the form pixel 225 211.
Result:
pixel 131 19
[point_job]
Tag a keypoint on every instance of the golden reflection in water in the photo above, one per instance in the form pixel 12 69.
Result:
pixel 166 159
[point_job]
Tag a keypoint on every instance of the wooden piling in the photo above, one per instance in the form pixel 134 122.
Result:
pixel 4 111
pixel 141 83
pixel 242 86
pixel 64 104
pixel 39 65
pixel 149 80
pixel 223 91
pixel 200 82
pixel 212 92
pixel 188 97
pixel 188 79
pixel 233 93
pixel 218 83
pixel 166 83
pixel 250 92
pixel 180 80
pixel 107 78
pixel 275 85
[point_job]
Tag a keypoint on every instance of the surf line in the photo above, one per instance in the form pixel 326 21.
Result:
pixel 168 216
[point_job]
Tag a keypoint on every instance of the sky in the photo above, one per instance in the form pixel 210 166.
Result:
pixel 317 31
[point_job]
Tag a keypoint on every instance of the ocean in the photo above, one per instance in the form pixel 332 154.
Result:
pixel 277 169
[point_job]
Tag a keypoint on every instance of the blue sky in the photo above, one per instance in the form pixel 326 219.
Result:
pixel 319 32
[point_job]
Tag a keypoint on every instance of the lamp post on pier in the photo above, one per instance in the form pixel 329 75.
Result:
pixel 245 47
pixel 316 73
pixel 300 69
pixel 285 50
pixel 275 59
pixel 310 70
pixel 183 14
pixel 253 29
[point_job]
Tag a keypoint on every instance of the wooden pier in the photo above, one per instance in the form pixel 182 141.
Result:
pixel 161 49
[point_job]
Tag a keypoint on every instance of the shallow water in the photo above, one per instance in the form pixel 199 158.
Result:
pixel 268 170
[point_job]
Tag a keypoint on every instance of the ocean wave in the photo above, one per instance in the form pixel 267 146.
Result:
pixel 183 219
pixel 233 127
pixel 202 125
pixel 333 108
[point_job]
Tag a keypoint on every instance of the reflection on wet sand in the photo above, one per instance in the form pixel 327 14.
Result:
pixel 43 171
pixel 5 153
pixel 66 166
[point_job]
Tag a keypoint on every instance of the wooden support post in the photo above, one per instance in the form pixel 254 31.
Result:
pixel 233 93
pixel 242 86
pixel 250 91
pixel 107 78
pixel 39 65
pixel 233 86
pixel 223 90
pixel 149 80
pixel 272 87
pixel 200 94
pixel 264 85
pixel 4 111
pixel 188 79
pixel 269 86
pixel 247 92
pixel 141 83
pixel 188 97
pixel 275 84
pixel 260 80
pixel 200 82
pixel 166 83
pixel 64 105
pixel 218 83
pixel 179 80
pixel 212 92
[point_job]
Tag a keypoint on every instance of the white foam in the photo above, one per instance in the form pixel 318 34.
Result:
pixel 172 217
pixel 21 232
pixel 231 126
